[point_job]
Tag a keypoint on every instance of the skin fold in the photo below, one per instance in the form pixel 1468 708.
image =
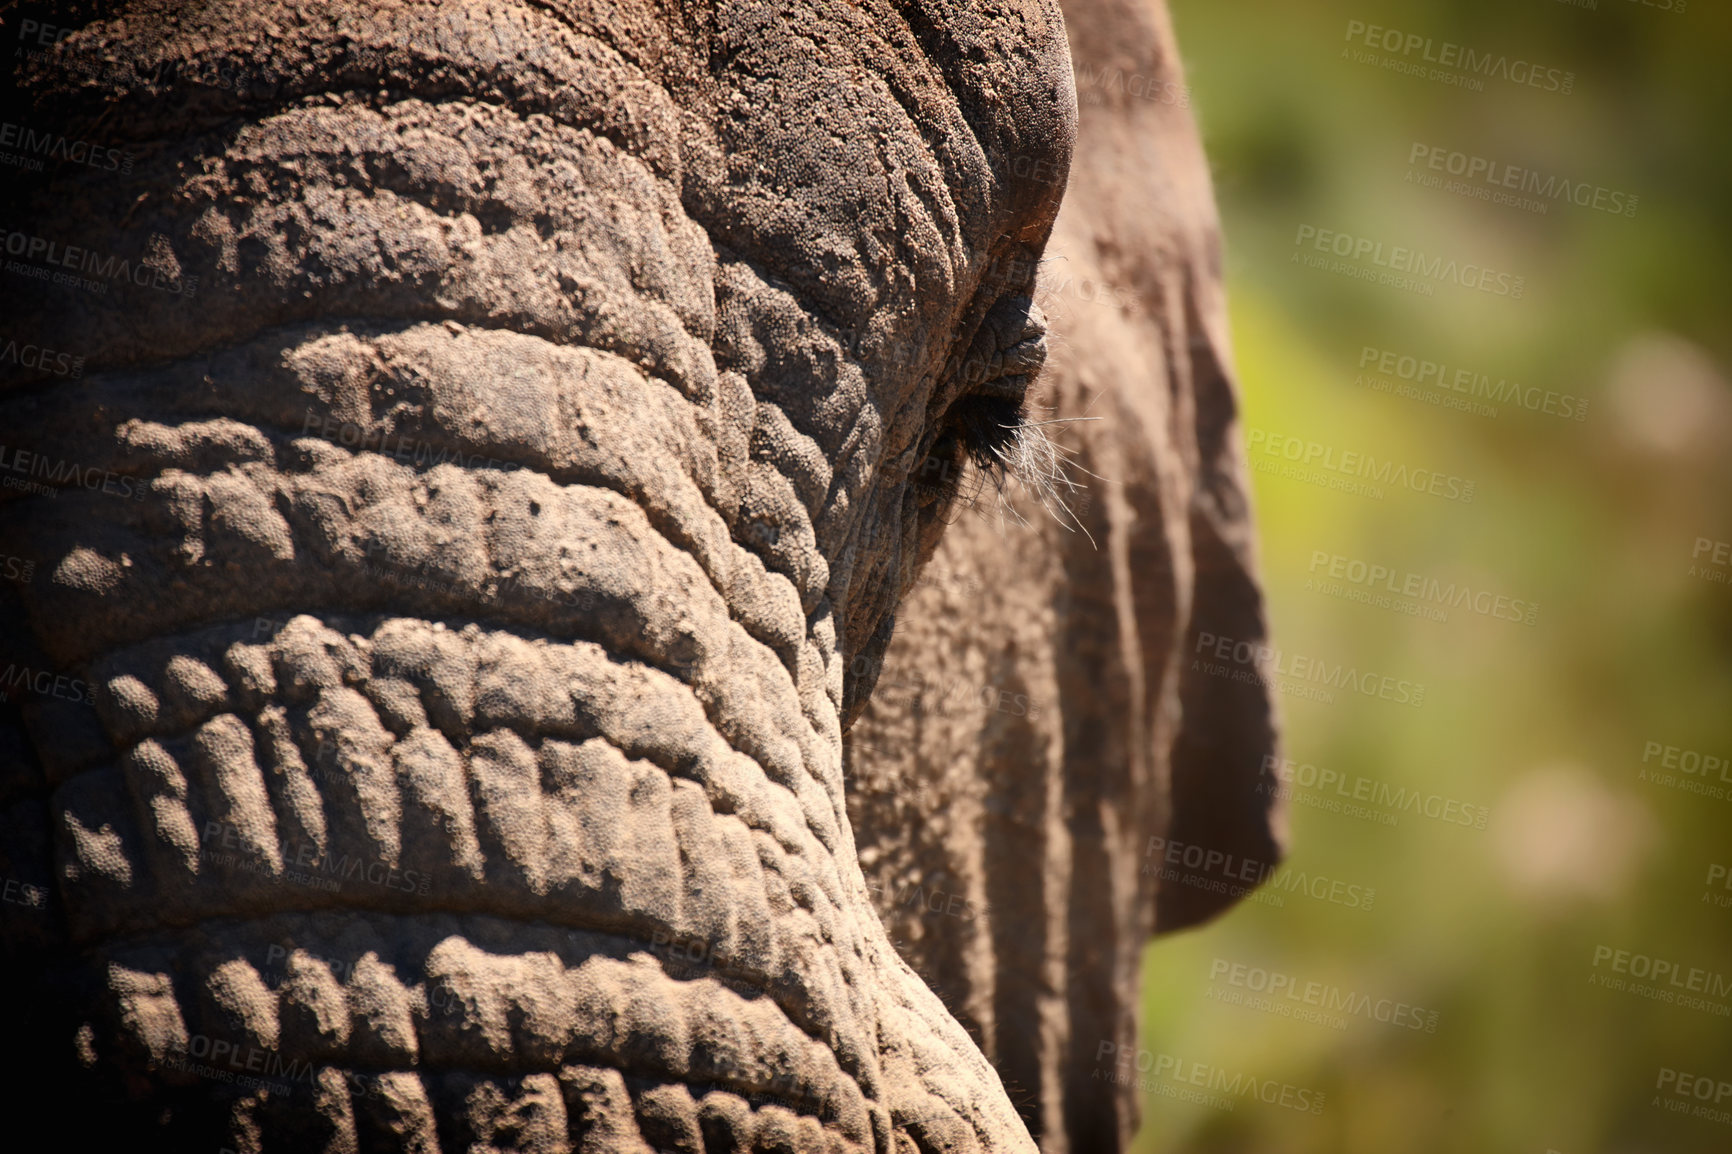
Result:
pixel 502 435
pixel 1041 715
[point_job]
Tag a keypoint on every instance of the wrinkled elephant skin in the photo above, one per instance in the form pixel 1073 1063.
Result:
pixel 1047 773
pixel 504 418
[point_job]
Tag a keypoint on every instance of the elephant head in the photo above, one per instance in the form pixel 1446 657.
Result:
pixel 478 453
pixel 1056 765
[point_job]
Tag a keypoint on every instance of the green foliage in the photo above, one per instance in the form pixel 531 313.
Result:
pixel 1596 521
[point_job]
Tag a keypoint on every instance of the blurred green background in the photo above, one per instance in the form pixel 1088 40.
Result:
pixel 1495 931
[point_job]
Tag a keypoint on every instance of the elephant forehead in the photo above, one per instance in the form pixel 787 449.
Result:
pixel 876 156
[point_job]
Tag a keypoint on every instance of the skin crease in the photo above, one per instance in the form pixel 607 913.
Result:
pixel 507 422
pixel 1039 718
pixel 516 407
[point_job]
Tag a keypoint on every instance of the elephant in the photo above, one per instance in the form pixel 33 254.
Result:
pixel 1047 765
pixel 464 461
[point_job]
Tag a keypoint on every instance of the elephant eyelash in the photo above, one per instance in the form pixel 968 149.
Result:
pixel 989 425
pixel 1030 458
pixel 984 428
pixel 999 371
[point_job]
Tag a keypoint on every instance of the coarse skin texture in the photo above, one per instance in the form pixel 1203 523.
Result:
pixel 1042 712
pixel 503 417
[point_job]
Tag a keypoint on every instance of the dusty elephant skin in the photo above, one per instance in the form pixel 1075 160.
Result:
pixel 1046 775
pixel 490 453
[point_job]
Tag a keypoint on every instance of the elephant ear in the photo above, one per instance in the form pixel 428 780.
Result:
pixel 1140 214
pixel 1226 829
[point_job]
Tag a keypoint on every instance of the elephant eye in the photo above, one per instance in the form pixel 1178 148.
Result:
pixel 1001 365
pixel 987 423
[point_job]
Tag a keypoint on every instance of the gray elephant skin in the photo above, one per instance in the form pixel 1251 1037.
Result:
pixel 1049 772
pixel 455 508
